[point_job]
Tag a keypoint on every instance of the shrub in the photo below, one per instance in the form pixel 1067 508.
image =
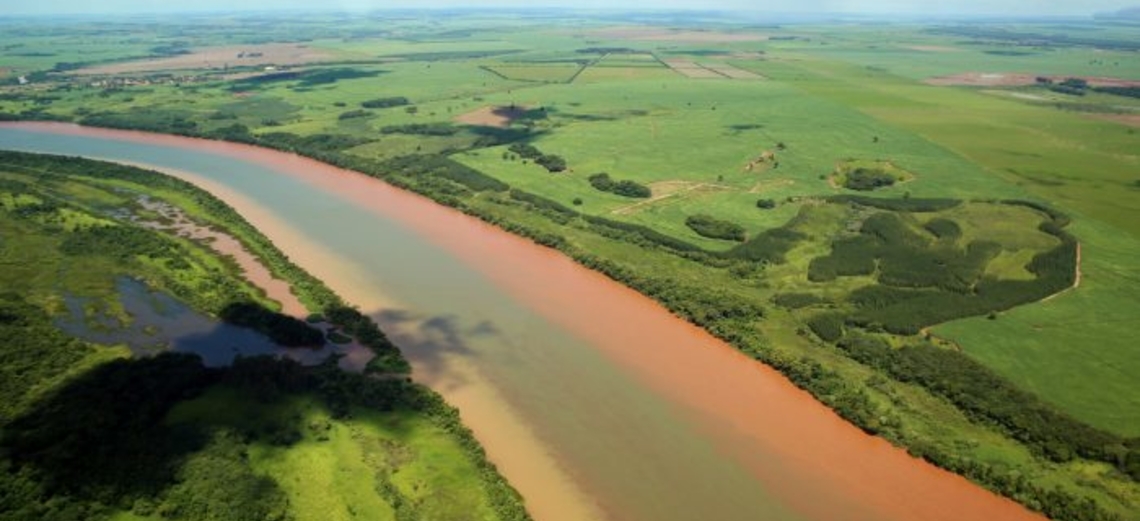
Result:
pixel 713 228
pixel 867 179
pixel 624 188
pixel 828 326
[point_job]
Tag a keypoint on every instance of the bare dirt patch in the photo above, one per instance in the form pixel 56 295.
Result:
pixel 762 162
pixel 691 69
pixel 1132 120
pixel 1027 96
pixel 663 190
pixel 275 54
pixel 733 72
pixel 492 116
pixel 675 35
pixel 1013 79
pixel 771 184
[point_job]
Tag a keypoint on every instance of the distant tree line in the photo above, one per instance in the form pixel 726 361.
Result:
pixel 422 129
pixel 384 103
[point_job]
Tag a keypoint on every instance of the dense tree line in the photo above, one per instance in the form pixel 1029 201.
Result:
pixel 384 103
pixel 768 247
pixel 281 329
pixel 422 129
pixel 906 204
pixel 361 113
pixel 445 168
pixel 551 162
pixel 153 121
pixel 984 395
pixel 713 228
pixel 624 187
pixel 334 142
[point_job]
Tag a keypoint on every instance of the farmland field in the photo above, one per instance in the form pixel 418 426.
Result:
pixel 943 219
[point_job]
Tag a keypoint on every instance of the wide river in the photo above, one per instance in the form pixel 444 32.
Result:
pixel 595 402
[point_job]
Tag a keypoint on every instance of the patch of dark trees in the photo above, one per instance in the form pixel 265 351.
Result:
pixel 442 167
pixel 281 329
pixel 354 114
pixel 151 121
pixel 867 179
pixel 713 228
pixel 1080 87
pixel 906 204
pixel 922 283
pixel 384 103
pixel 305 79
pixel 551 162
pixel 768 247
pixel 388 359
pixel 624 187
pixel 422 129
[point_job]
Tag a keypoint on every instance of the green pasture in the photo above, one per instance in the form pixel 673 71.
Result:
pixel 1076 350
pixel 338 466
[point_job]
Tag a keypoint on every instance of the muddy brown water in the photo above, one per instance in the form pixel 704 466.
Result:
pixel 594 401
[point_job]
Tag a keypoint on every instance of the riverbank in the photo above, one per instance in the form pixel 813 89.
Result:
pixel 813 460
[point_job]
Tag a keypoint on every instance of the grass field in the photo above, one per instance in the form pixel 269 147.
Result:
pixel 825 99
pixel 337 467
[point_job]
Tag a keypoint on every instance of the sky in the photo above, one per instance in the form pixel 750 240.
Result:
pixel 904 7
